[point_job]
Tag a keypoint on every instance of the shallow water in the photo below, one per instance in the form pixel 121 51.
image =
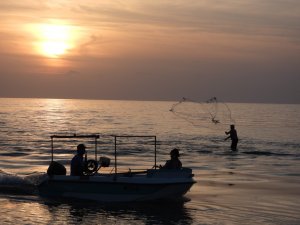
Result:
pixel 259 184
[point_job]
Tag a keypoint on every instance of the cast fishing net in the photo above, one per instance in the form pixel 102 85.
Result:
pixel 208 113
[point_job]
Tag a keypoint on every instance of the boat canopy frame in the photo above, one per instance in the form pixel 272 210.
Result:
pixel 97 136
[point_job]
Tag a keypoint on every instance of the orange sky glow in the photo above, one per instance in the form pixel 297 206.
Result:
pixel 151 50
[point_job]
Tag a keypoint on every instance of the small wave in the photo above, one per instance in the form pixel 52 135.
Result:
pixel 265 153
pixel 205 151
pixel 14 154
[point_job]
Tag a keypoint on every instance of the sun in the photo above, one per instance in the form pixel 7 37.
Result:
pixel 55 39
pixel 54 48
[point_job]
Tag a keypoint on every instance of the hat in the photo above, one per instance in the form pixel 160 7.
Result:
pixel 175 152
pixel 81 149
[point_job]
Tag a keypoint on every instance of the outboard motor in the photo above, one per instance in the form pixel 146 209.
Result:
pixel 56 168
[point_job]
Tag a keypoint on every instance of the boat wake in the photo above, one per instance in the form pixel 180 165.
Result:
pixel 16 184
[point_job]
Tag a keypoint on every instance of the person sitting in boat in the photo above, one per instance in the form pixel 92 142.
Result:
pixel 174 162
pixel 77 163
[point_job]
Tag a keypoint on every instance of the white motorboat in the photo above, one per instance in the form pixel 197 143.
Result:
pixel 146 185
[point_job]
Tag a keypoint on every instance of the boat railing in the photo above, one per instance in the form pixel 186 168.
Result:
pixel 82 136
pixel 118 137
pixel 116 140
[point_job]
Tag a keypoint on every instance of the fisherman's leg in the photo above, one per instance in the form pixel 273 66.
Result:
pixel 234 145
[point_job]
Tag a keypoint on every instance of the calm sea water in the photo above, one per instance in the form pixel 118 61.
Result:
pixel 259 184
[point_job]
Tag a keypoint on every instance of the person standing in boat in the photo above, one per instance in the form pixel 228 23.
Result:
pixel 77 163
pixel 174 162
pixel 233 136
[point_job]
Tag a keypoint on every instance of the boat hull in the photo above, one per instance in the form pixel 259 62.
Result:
pixel 115 188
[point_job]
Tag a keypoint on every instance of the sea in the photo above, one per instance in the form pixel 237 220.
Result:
pixel 258 184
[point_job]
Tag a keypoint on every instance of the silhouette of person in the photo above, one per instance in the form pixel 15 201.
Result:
pixel 77 163
pixel 233 136
pixel 174 162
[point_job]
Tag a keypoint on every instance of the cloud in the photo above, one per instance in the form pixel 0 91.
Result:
pixel 274 18
pixel 269 17
pixel 159 49
pixel 92 41
pixel 7 7
pixel 72 73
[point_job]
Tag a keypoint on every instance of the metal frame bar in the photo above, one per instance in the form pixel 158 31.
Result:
pixel 95 136
pixel 51 149
pixel 134 136
pixel 76 136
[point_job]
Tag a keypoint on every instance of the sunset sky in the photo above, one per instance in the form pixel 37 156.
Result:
pixel 237 50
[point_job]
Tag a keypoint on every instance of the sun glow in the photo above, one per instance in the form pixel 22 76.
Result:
pixel 55 39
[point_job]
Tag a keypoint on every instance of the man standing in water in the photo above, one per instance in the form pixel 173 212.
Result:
pixel 233 136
